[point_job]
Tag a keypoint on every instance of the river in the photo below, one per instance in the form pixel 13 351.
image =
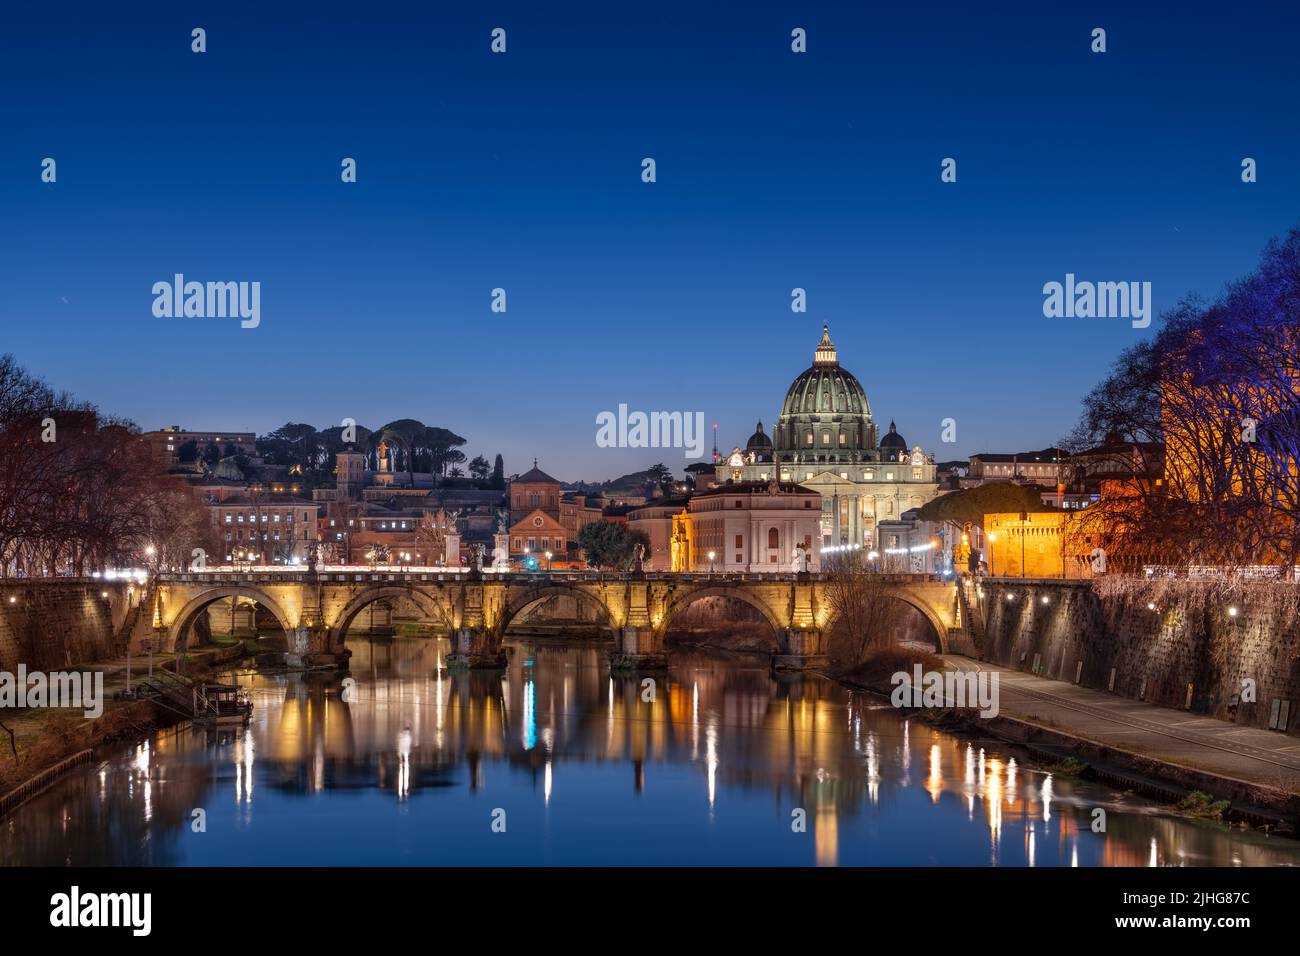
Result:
pixel 556 762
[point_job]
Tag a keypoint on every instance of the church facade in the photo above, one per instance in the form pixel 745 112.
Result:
pixel 826 440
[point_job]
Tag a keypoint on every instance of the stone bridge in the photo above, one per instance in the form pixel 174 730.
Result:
pixel 316 608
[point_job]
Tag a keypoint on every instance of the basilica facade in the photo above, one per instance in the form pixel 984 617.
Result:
pixel 826 440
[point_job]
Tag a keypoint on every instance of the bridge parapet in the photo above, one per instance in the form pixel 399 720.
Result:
pixel 476 608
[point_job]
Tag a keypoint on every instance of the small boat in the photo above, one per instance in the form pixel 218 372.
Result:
pixel 221 705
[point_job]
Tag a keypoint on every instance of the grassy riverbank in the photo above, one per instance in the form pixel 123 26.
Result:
pixel 44 736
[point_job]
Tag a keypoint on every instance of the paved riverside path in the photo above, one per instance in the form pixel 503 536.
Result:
pixel 1257 756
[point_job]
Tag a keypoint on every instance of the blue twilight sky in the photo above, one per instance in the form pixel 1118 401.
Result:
pixel 522 171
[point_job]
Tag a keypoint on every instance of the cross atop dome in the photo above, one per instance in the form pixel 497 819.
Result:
pixel 825 354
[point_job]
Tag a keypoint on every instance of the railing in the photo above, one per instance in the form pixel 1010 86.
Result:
pixel 1210 572
pixel 40 781
pixel 231 576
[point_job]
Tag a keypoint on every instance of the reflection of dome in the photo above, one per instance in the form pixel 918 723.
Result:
pixel 760 444
pixel 825 415
pixel 893 442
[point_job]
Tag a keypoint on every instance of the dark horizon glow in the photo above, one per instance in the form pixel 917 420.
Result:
pixel 522 171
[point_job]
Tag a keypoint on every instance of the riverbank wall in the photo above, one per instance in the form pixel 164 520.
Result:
pixel 55 623
pixel 1229 650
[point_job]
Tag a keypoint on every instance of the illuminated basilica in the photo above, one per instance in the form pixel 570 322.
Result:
pixel 826 441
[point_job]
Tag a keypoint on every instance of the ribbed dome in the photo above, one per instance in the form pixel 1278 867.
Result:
pixel 825 387
pixel 830 404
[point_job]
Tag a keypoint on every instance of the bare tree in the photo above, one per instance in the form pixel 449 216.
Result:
pixel 863 611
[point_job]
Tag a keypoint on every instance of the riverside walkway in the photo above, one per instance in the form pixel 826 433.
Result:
pixel 1258 757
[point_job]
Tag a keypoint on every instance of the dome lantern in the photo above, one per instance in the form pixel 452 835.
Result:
pixel 825 354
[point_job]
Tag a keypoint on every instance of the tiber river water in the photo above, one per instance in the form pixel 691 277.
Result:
pixel 414 769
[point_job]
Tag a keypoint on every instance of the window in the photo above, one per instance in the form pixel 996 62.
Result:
pixel 843 439
pixel 227 517
pixel 916 474
pixel 773 539
pixel 740 541
pixel 810 440
pixel 518 543
pixel 889 476
pixel 869 475
pixel 739 503
pixel 826 438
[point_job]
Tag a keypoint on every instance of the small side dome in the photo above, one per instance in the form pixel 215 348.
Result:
pixel 893 442
pixel 759 440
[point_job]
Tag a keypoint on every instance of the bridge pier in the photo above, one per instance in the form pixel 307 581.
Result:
pixel 639 649
pixel 801 649
pixel 314 647
pixel 476 649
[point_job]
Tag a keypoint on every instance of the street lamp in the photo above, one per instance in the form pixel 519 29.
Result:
pixel 711 557
pixel 548 561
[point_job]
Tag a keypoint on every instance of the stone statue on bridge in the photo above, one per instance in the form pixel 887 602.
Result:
pixel 800 559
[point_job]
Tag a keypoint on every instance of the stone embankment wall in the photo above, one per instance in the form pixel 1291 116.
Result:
pixel 1152 640
pixel 54 624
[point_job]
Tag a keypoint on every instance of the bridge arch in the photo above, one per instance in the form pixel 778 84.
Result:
pixel 920 604
pixel 180 627
pixel 426 602
pixel 679 602
pixel 516 603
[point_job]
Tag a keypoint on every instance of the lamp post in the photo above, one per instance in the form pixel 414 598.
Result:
pixel 548 562
pixel 711 557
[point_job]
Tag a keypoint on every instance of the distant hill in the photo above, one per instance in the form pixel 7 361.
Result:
pixel 630 484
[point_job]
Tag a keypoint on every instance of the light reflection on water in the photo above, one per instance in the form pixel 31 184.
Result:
pixel 724 766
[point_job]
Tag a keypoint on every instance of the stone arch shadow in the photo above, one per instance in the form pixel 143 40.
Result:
pixel 178 632
pixel 427 603
pixel 516 604
pixel 679 603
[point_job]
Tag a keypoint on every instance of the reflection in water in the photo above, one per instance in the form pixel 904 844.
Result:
pixel 589 768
